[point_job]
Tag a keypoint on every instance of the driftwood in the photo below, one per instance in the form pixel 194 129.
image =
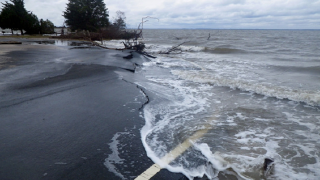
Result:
pixel 268 166
pixel 148 55
pixel 139 47
pixel 131 40
pixel 175 49
pixel 143 21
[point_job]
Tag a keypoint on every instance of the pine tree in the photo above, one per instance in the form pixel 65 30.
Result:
pixel 86 15
pixel 46 27
pixel 31 24
pixel 13 15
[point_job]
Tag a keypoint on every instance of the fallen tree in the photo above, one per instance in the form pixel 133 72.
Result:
pixel 131 38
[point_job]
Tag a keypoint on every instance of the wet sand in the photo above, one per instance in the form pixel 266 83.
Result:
pixel 59 109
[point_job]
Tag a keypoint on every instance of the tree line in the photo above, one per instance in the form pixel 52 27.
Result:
pixel 84 15
pixel 14 16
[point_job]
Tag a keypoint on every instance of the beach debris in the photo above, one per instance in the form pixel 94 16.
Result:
pixel 174 50
pixel 177 38
pixel 133 41
pixel 131 38
pixel 10 42
pixel 143 21
pixel 268 167
pixel 135 45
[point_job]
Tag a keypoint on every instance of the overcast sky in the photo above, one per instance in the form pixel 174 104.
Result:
pixel 215 14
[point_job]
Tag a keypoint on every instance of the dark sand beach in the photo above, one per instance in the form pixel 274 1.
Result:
pixel 60 107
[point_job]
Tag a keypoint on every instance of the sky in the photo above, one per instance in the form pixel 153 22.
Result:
pixel 192 14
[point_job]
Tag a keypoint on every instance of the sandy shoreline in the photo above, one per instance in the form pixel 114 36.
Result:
pixel 59 109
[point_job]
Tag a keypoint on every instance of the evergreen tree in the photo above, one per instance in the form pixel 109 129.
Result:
pixel 46 27
pixel 31 24
pixel 13 15
pixel 86 15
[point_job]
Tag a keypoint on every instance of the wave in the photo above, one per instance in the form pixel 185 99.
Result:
pixel 312 69
pixel 113 43
pixel 269 90
pixel 223 50
pixel 156 48
pixel 185 48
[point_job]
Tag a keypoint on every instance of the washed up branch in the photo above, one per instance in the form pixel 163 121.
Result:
pixel 130 38
pixel 177 38
pixel 174 50
pixel 133 44
pixel 143 21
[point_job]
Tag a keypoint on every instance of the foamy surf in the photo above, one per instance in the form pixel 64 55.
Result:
pixel 223 106
pixel 269 90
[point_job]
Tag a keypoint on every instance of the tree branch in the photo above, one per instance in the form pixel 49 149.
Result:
pixel 175 49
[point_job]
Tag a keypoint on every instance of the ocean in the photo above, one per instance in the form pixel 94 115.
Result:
pixel 229 99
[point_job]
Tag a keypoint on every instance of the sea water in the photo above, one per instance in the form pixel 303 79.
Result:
pixel 234 98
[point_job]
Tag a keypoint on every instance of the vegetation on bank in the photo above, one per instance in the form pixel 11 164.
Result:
pixel 88 15
pixel 88 19
pixel 85 19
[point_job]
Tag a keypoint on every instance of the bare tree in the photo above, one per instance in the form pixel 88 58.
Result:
pixel 119 21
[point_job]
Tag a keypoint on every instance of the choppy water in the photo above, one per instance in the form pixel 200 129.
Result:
pixel 252 94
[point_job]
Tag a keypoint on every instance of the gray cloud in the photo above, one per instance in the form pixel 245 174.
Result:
pixel 264 14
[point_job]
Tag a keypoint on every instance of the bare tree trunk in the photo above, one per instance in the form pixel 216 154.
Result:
pixel 12 31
